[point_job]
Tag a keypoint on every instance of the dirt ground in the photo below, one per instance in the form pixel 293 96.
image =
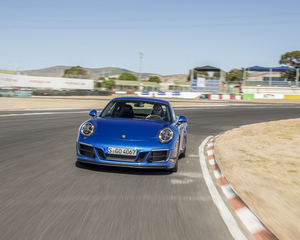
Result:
pixel 8 103
pixel 49 102
pixel 261 161
pixel 262 164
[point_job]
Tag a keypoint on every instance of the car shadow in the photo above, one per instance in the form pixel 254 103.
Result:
pixel 121 170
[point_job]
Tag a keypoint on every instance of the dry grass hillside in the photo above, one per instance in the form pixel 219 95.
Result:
pixel 174 78
pixel 58 71
pixel 95 73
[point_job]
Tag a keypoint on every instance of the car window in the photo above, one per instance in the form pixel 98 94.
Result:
pixel 144 110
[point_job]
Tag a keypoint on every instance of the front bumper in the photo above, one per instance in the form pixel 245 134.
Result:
pixel 144 158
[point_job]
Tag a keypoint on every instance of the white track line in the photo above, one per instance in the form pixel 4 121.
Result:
pixel 224 211
pixel 38 113
pixel 47 109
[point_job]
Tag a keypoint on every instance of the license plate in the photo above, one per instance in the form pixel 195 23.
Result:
pixel 121 151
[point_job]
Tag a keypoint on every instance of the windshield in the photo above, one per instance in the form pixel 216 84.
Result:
pixel 138 110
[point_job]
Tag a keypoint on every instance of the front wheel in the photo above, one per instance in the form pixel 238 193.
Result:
pixel 175 168
pixel 182 155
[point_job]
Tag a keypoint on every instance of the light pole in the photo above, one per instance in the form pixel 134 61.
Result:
pixel 141 63
pixel 297 77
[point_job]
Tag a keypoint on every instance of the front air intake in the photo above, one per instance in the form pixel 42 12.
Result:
pixel 123 158
pixel 86 151
pixel 158 156
pixel 141 156
pixel 100 153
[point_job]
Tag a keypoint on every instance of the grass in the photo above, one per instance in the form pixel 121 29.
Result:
pixel 296 183
pixel 8 72
pixel 244 151
pixel 263 159
pixel 288 133
pixel 264 142
pixel 283 137
pixel 287 156
pixel 291 131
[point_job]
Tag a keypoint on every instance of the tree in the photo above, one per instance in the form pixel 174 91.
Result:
pixel 291 59
pixel 217 74
pixel 196 73
pixel 99 84
pixel 234 75
pixel 127 76
pixel 76 72
pixel 110 83
pixel 154 79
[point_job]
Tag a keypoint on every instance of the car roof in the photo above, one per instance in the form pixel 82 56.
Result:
pixel 143 99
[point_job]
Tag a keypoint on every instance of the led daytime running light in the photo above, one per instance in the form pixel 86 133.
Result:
pixel 87 129
pixel 165 135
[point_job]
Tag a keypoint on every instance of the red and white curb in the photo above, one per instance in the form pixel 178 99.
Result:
pixel 258 230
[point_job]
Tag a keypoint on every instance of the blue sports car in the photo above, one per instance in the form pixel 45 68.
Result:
pixel 133 132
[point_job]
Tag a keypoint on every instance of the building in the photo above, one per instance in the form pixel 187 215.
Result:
pixel 135 86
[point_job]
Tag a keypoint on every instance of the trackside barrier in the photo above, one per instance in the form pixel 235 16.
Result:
pixel 224 97
pixel 118 92
pixel 248 96
pixel 291 96
pixel 170 94
pixel 15 93
pixel 268 96
pixel 122 92
pixel 212 96
pixel 72 92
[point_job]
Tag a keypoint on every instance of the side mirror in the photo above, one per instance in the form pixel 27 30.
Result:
pixel 182 119
pixel 93 113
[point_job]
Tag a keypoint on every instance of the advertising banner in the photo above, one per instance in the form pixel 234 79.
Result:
pixel 10 80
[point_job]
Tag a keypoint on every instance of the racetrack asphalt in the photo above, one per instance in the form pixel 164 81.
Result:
pixel 45 194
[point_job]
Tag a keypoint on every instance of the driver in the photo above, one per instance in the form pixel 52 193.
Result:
pixel 157 109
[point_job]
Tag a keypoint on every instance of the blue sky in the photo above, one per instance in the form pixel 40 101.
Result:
pixel 174 36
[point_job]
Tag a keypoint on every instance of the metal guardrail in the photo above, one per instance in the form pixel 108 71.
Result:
pixel 79 92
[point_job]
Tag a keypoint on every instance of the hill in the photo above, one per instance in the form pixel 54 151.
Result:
pixel 58 71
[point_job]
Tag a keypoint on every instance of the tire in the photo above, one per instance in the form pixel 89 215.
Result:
pixel 182 155
pixel 175 168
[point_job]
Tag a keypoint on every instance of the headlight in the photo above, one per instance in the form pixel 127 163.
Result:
pixel 87 129
pixel 165 135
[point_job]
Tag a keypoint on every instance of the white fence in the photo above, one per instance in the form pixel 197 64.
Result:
pixel 45 82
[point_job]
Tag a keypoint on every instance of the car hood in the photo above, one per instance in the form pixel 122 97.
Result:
pixel 132 129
